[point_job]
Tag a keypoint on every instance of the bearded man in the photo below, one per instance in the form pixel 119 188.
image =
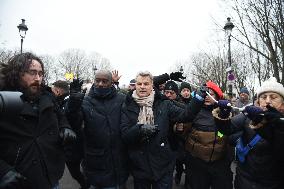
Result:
pixel 31 154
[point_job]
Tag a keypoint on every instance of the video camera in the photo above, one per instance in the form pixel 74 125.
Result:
pixel 10 102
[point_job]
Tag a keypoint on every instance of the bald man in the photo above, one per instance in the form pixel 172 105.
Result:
pixel 105 158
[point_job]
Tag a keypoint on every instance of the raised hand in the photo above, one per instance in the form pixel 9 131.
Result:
pixel 177 76
pixel 225 108
pixel 76 85
pixel 201 93
pixel 272 115
pixel 115 76
pixel 254 113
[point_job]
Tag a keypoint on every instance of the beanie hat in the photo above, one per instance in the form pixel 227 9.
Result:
pixel 171 85
pixel 132 82
pixel 271 85
pixel 244 90
pixel 185 85
pixel 215 88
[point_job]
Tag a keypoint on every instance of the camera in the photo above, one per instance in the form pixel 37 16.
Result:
pixel 10 102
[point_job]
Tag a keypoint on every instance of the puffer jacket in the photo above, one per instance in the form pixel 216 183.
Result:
pixel 203 140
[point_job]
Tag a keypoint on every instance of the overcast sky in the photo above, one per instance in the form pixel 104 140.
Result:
pixel 134 35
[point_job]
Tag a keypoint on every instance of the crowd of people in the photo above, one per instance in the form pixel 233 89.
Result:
pixel 161 129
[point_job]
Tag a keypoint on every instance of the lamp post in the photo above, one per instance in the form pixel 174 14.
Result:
pixel 228 29
pixel 94 70
pixel 22 31
pixel 181 69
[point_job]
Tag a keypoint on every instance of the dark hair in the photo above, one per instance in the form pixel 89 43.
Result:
pixel 11 71
pixel 64 85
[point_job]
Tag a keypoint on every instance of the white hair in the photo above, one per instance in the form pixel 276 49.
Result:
pixel 145 74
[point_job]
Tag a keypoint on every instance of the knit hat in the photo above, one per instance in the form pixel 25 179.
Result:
pixel 185 85
pixel 271 85
pixel 244 90
pixel 132 82
pixel 215 88
pixel 171 85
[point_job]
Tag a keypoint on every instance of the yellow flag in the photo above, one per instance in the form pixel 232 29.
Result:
pixel 69 76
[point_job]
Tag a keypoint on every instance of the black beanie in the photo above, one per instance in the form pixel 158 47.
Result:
pixel 171 85
pixel 185 85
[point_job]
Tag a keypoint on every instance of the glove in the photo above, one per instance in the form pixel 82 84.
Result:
pixel 176 76
pixel 200 94
pixel 67 135
pixel 75 101
pixel 13 179
pixel 203 90
pixel 272 115
pixel 254 113
pixel 148 130
pixel 76 85
pixel 225 108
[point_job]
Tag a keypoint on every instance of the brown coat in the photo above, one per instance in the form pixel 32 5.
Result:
pixel 205 145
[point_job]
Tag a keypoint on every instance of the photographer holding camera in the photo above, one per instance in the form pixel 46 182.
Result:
pixel 31 139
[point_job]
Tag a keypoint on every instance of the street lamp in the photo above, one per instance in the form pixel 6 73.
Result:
pixel 228 29
pixel 94 70
pixel 22 31
pixel 181 69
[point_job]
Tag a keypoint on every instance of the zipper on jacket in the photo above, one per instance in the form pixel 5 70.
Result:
pixel 17 156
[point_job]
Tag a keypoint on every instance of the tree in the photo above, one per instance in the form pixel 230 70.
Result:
pixel 73 61
pixel 97 61
pixel 49 68
pixel 6 54
pixel 260 26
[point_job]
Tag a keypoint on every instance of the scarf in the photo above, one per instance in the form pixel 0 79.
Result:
pixel 146 115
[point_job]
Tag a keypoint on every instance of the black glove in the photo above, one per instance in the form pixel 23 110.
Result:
pixel 75 101
pixel 148 130
pixel 255 113
pixel 176 76
pixel 272 115
pixel 225 108
pixel 67 135
pixel 13 180
pixel 76 85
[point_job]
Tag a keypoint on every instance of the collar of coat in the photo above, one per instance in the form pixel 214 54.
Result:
pixel 158 96
pixel 111 95
pixel 46 100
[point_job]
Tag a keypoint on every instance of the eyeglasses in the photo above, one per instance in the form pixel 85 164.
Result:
pixel 35 73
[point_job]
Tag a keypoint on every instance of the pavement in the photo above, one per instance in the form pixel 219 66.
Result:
pixel 67 182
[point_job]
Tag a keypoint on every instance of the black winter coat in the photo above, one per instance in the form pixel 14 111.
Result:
pixel 261 165
pixel 105 158
pixel 29 143
pixel 152 159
